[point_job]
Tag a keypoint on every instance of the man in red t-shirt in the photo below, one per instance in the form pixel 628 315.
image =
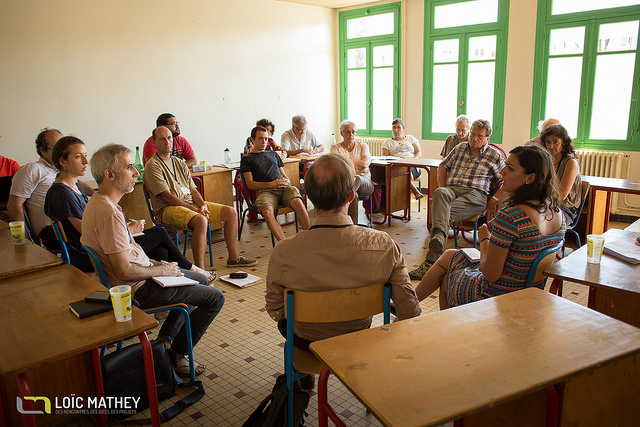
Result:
pixel 8 167
pixel 181 147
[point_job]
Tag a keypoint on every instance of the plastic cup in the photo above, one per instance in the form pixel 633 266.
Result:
pixel 17 232
pixel 121 301
pixel 595 247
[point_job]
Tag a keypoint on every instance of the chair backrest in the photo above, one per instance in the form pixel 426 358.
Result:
pixel 338 305
pixel 62 239
pixel 147 199
pixel 34 237
pixel 585 193
pixel 542 261
pixel 245 190
pixel 497 147
pixel 97 265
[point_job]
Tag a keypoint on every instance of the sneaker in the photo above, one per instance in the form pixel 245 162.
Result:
pixel 437 243
pixel 242 262
pixel 422 269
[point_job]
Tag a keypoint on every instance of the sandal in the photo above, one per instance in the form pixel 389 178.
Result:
pixel 213 276
pixel 183 369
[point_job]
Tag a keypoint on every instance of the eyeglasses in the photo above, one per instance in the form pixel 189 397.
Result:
pixel 173 124
pixel 475 135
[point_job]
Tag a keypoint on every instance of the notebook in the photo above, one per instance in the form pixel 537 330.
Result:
pixel 84 308
pixel 171 281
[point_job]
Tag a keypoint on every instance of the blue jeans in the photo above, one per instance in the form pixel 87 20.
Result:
pixel 208 302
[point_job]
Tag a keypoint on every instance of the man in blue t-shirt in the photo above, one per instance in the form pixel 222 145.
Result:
pixel 263 171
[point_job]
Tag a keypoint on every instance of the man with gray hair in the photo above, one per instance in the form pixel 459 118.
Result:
pixel 465 180
pixel 104 230
pixel 299 139
pixel 335 254
pixel 541 127
pixel 461 135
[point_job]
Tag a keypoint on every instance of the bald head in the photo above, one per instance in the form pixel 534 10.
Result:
pixel 549 122
pixel 329 182
pixel 163 139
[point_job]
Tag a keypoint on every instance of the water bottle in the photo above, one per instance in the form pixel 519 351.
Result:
pixel 333 139
pixel 227 156
pixel 138 164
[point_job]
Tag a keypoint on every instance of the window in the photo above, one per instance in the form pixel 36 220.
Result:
pixel 465 64
pixel 586 72
pixel 370 68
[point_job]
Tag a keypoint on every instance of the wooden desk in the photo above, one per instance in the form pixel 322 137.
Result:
pixel 18 259
pixel 396 193
pixel 431 167
pixel 489 361
pixel 600 199
pixel 614 285
pixel 45 344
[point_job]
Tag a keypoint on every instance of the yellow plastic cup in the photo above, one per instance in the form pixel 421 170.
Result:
pixel 121 301
pixel 595 247
pixel 17 232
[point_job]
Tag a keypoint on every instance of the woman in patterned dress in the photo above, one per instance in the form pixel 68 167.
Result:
pixel 529 223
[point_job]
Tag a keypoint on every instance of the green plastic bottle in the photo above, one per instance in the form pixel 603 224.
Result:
pixel 138 164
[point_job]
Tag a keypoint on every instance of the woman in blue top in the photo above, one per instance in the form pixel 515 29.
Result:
pixel 66 200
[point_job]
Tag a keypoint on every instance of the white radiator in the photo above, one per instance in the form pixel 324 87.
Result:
pixel 375 144
pixel 603 163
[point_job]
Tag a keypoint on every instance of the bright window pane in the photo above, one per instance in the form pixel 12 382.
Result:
pixel 563 91
pixel 445 50
pixel 566 41
pixel 466 13
pixel 382 98
pixel 445 98
pixel 482 48
pixel 383 56
pixel 570 6
pixel 370 26
pixel 612 96
pixel 357 58
pixel 618 36
pixel 480 85
pixel 357 97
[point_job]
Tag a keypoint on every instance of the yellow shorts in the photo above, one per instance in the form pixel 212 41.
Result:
pixel 276 196
pixel 180 216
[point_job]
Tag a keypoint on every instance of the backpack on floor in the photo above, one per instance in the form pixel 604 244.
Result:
pixel 272 411
pixel 123 375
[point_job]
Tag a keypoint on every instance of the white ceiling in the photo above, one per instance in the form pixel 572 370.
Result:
pixel 333 4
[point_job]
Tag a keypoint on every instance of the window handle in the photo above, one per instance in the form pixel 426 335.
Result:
pixel 461 102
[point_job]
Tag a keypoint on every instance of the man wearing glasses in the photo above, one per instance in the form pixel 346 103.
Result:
pixel 298 139
pixel 465 178
pixel 181 147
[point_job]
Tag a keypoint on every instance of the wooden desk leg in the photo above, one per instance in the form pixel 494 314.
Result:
pixel 23 390
pixel 151 378
pixel 97 374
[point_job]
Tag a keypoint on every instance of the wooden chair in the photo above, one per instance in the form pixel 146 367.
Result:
pixel 183 308
pixel 175 230
pixel 336 305
pixel 62 239
pixel 245 194
pixel 32 234
pixel 542 261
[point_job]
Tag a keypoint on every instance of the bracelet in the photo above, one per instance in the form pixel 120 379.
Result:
pixel 495 198
pixel 482 240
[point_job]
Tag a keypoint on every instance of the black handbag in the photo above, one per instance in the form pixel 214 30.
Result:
pixel 124 380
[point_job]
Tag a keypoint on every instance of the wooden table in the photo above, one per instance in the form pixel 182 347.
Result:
pixel 431 167
pixel 17 259
pixel 489 362
pixel 600 199
pixel 47 351
pixel 614 285
pixel 396 193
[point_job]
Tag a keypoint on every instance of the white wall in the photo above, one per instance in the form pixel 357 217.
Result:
pixel 103 71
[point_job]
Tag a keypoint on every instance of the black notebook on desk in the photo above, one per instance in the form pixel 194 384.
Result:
pixel 84 308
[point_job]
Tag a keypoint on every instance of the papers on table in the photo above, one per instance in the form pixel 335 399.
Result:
pixel 170 281
pixel 384 158
pixel 241 283
pixel 232 165
pixel 623 247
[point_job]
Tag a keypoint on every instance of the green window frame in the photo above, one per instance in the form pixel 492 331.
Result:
pixel 365 80
pixel 582 115
pixel 438 108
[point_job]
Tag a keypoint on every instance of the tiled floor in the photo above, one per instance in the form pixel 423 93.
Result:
pixel 243 350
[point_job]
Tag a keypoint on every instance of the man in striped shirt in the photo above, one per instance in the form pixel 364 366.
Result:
pixel 465 179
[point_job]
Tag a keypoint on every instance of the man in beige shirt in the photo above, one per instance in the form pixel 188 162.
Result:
pixel 176 201
pixel 335 254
